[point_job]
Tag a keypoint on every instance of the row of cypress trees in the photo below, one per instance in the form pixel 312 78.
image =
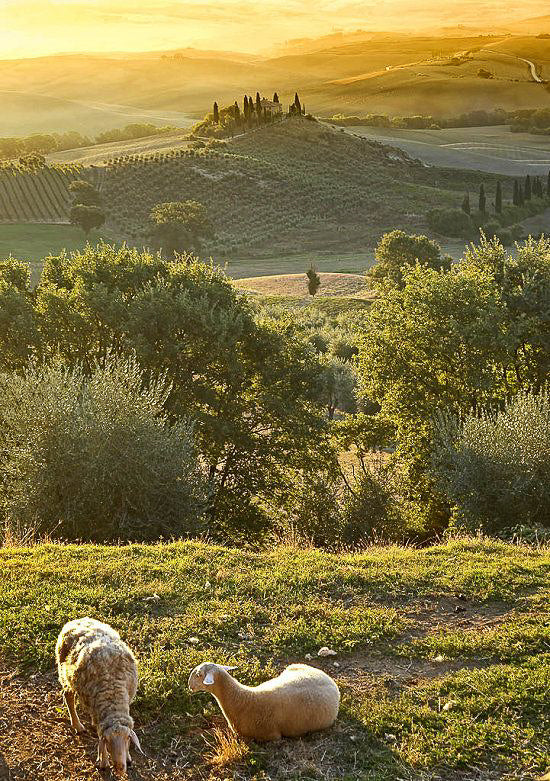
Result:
pixel 252 109
pixel 522 192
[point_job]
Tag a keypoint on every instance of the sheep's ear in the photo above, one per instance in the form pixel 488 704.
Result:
pixel 224 667
pixel 135 740
pixel 208 678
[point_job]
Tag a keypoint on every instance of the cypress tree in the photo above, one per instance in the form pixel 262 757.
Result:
pixel 521 197
pixel 482 199
pixel 528 189
pixel 258 105
pixel 236 112
pixel 515 197
pixel 498 199
pixel 265 115
pixel 304 109
pixel 466 204
pixel 297 105
pixel 538 188
pixel 275 98
pixel 216 113
pixel 245 107
pixel 313 280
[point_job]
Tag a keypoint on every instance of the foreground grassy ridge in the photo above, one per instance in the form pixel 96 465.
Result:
pixel 184 603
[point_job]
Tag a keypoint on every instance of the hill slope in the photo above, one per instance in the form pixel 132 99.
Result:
pixel 294 185
pixel 442 657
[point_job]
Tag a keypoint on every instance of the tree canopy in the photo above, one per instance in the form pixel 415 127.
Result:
pixel 398 249
pixel 179 226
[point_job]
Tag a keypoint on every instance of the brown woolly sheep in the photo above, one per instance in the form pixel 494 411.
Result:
pixel 301 699
pixel 94 664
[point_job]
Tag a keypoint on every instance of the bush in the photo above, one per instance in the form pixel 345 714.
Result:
pixel 94 457
pixel 320 509
pixel 495 467
pixel 450 222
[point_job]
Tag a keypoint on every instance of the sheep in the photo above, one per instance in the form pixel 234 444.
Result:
pixel 301 699
pixel 94 663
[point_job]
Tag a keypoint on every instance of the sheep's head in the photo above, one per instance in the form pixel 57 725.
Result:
pixel 203 677
pixel 115 742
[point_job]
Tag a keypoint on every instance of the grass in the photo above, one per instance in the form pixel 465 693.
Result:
pixel 34 241
pixel 443 654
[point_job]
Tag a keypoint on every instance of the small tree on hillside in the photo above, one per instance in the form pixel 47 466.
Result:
pixel 498 199
pixel 313 280
pixel 237 112
pixel 482 199
pixel 528 189
pixel 466 204
pixel 258 105
pixel 245 107
pixel 521 197
pixel 216 113
pixel 515 197
pixel 86 217
pixel 86 211
pixel 84 193
pixel 179 225
pixel 275 98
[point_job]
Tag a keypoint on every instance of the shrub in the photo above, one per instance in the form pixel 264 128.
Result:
pixel 94 457
pixel 450 222
pixel 495 466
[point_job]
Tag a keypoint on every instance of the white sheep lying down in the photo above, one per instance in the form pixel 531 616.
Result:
pixel 301 699
pixel 94 664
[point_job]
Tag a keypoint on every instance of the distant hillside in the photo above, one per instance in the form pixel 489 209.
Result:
pixel 365 73
pixel 533 26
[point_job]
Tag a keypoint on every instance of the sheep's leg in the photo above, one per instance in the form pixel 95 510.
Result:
pixel 102 754
pixel 75 721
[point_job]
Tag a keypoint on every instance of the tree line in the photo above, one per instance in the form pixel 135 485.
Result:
pixel 46 143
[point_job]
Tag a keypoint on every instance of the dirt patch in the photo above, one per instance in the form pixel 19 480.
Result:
pixel 431 616
pixel 38 744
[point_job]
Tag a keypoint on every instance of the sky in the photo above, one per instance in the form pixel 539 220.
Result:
pixel 37 27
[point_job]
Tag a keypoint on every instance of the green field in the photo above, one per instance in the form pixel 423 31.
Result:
pixel 442 657
pixel 32 242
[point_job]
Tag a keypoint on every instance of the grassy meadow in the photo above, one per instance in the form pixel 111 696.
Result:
pixel 34 241
pixel 442 656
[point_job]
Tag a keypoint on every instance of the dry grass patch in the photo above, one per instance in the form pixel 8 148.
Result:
pixel 332 284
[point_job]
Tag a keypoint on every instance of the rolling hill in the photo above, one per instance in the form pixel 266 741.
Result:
pixel 371 73
pixel 297 185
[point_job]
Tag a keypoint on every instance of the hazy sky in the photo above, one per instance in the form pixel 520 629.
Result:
pixel 34 27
